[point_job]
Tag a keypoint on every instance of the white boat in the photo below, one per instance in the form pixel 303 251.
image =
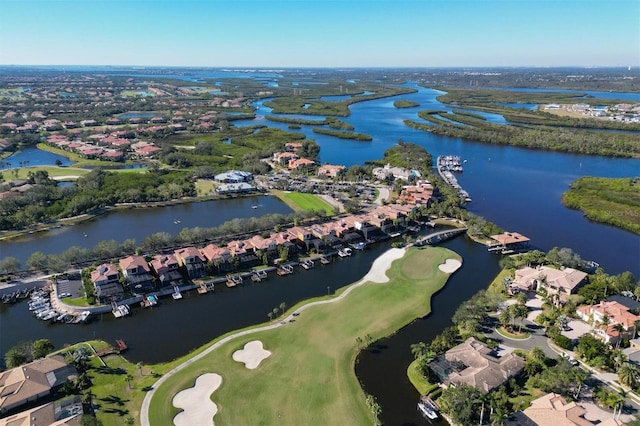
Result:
pixel 345 252
pixel 84 316
pixel 176 295
pixel 307 264
pixel 427 411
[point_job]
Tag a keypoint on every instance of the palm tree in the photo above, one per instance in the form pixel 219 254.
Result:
pixel 519 312
pixel 270 315
pixel 628 374
pixel 536 354
pixel 419 349
pixel 129 379
pixel 619 328
pixel 505 317
pixel 283 307
pixel 139 365
pixel 562 321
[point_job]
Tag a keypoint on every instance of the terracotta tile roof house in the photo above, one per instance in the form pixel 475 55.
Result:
pixel 617 314
pixel 473 363
pixel 510 238
pixel 137 272
pixel 165 268
pixel 105 279
pixel 555 281
pixel 283 158
pixel 192 260
pixel 553 410
pixel 301 164
pixel 264 244
pixel 32 381
pixel 329 170
pixel 51 414
pixel 420 193
pixel 214 253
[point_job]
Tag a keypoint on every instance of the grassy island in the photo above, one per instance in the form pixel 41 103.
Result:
pixel 343 135
pixel 403 103
pixel 309 377
pixel 607 200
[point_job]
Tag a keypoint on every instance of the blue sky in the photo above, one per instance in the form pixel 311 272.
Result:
pixel 321 33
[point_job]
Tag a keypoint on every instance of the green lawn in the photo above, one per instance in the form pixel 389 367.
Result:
pixel 309 378
pixel 300 201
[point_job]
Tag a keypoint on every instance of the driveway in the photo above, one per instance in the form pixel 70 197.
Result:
pixel 576 329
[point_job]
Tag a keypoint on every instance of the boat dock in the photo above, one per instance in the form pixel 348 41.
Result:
pixel 447 165
pixel 284 270
pixel 307 264
pixel 234 280
pixel 205 287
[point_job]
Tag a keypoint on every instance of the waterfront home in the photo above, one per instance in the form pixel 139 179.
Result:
pixel 283 158
pixel 137 273
pixel 560 282
pixel 553 409
pixel 475 364
pixel 612 321
pixel 166 270
pixel 301 165
pixel 510 241
pixel 105 279
pixel 326 232
pixel 242 251
pixel 30 382
pixel 329 170
pixel 193 262
pixel 268 246
pixel 388 172
pixel 418 194
pixel 233 176
pixel 302 236
pixel 65 412
pixel 218 257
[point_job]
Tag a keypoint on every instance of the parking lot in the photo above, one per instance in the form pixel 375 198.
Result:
pixel 70 284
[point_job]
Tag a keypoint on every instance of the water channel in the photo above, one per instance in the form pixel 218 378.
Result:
pixel 516 188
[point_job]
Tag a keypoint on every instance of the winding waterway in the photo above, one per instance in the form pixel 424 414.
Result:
pixel 516 188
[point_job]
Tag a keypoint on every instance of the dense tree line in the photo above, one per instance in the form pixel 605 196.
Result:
pixel 607 200
pixel 555 139
pixel 107 250
pixel 98 189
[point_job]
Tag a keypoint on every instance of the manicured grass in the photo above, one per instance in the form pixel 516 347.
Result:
pixel 53 171
pixel 204 187
pixel 422 385
pixel 497 285
pixel 78 301
pixel 309 378
pixel 300 201
pixel 513 335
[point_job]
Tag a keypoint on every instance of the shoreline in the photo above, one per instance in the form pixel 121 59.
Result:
pixel 377 274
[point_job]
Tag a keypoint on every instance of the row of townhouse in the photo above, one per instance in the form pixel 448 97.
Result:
pixel 190 262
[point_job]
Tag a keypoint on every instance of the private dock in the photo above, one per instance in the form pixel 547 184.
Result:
pixel 284 270
pixel 205 287
pixel 324 260
pixel 233 280
pixel 447 165
pixel 307 264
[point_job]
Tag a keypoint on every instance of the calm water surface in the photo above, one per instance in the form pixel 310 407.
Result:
pixel 140 223
pixel 35 157
pixel 516 188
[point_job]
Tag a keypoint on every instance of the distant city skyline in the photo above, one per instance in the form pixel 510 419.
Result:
pixel 316 33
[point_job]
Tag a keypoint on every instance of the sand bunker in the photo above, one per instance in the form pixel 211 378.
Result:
pixel 450 266
pixel 196 402
pixel 252 354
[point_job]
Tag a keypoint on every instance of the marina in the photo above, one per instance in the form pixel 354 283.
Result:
pixel 447 165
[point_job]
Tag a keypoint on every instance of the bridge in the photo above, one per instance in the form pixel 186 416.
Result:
pixel 438 237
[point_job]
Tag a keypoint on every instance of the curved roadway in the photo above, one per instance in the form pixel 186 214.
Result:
pixel 376 274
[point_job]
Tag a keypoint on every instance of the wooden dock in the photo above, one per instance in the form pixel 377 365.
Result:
pixel 205 287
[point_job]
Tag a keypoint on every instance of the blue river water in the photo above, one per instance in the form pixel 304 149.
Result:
pixel 516 188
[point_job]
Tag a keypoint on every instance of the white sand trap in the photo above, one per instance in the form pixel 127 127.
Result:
pixel 196 402
pixel 450 266
pixel 252 354
pixel 378 271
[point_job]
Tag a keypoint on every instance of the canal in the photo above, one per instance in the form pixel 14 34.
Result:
pixel 516 188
